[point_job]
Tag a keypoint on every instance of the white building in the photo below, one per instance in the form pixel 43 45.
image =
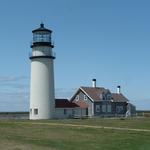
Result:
pixel 42 97
pixel 66 109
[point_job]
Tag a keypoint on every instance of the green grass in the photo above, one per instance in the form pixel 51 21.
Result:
pixel 24 135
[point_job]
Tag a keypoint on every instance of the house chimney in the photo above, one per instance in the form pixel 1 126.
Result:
pixel 94 83
pixel 119 89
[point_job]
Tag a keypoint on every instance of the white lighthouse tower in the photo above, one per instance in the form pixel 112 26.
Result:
pixel 42 96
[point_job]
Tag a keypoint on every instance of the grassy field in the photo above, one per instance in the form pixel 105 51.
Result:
pixel 49 135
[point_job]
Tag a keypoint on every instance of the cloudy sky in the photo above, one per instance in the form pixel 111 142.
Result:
pixel 104 39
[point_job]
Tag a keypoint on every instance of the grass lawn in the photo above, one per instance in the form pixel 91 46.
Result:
pixel 41 135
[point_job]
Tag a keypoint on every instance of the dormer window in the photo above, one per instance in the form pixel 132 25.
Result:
pixel 109 97
pixel 77 97
pixel 85 97
pixel 101 96
pixel 104 98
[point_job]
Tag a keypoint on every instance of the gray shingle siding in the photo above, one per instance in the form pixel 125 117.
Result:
pixel 88 101
pixel 112 110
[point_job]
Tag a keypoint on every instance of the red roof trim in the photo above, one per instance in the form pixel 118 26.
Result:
pixel 64 103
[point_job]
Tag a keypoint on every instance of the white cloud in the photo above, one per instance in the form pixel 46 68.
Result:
pixel 14 93
pixel 4 79
pixel 64 92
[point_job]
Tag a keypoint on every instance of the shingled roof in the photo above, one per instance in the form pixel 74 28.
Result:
pixel 94 92
pixel 64 103
pixel 119 97
pixel 81 104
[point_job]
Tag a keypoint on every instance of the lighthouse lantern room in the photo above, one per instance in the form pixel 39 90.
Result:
pixel 42 95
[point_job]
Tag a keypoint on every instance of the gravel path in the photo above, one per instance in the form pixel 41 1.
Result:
pixel 90 126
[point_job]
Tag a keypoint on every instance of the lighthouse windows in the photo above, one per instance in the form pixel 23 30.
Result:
pixel 35 111
pixel 41 37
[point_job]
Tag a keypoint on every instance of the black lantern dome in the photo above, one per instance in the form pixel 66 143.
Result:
pixel 42 37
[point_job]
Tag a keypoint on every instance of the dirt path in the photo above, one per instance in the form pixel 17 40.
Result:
pixel 89 126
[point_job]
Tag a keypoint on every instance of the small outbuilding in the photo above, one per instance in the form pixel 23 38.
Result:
pixel 65 109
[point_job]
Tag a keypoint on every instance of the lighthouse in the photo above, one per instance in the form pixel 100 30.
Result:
pixel 42 95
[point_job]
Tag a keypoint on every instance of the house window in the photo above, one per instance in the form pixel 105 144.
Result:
pixel 65 111
pixel 73 112
pixel 97 108
pixel 104 97
pixel 85 97
pixel 77 97
pixel 119 109
pixel 36 111
pixel 109 108
pixel 108 97
pixel 103 108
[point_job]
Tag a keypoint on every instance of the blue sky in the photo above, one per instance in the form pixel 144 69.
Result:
pixel 104 39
